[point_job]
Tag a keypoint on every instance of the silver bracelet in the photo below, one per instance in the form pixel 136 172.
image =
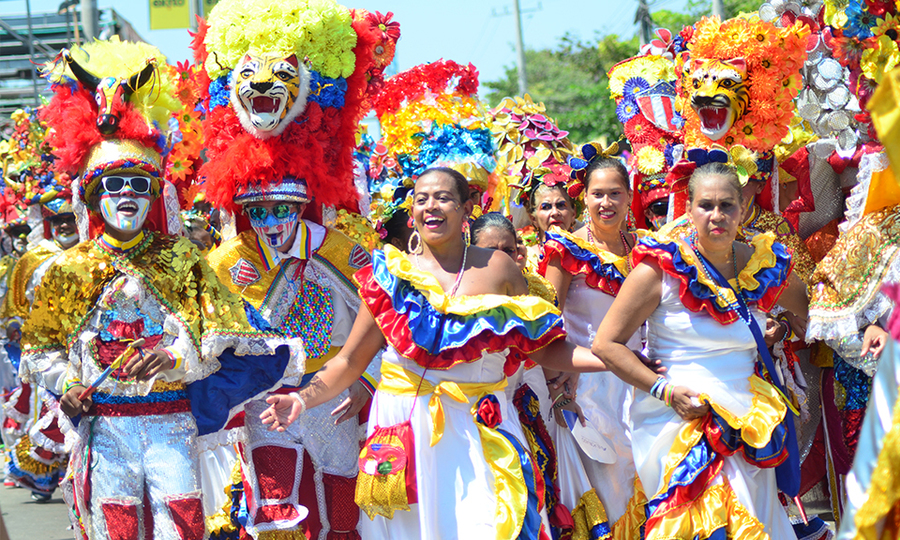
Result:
pixel 296 395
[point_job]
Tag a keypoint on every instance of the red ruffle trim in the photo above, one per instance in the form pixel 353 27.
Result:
pixel 664 259
pixel 396 331
pixel 574 266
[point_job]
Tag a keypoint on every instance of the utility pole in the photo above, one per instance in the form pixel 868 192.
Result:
pixel 520 43
pixel 718 9
pixel 520 50
pixel 34 85
pixel 642 17
pixel 89 19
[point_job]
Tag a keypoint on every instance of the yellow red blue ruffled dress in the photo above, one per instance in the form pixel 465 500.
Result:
pixel 712 477
pixel 469 471
pixel 597 276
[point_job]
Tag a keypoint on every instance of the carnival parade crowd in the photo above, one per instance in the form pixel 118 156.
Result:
pixel 230 313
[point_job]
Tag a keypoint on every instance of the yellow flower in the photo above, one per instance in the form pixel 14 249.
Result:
pixel 876 62
pixel 650 160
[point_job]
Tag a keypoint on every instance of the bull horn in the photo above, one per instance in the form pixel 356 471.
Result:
pixel 140 78
pixel 87 80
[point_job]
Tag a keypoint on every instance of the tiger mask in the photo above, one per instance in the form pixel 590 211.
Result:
pixel 268 92
pixel 718 91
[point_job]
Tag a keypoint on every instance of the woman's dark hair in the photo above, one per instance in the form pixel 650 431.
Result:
pixel 461 185
pixel 602 163
pixel 397 227
pixel 544 188
pixel 489 221
pixel 714 168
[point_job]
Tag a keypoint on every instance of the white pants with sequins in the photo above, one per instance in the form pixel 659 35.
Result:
pixel 134 456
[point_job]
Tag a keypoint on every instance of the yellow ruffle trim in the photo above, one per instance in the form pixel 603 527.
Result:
pixel 763 257
pixel 716 509
pixel 588 514
pixel 766 412
pixel 606 257
pixel 528 308
pixel 883 496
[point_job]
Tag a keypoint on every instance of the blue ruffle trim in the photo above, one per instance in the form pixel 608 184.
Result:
pixel 767 277
pixel 437 332
pixel 605 270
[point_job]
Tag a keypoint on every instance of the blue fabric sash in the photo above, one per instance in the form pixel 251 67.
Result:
pixel 788 473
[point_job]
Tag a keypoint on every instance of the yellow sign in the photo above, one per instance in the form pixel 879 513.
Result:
pixel 207 6
pixel 167 14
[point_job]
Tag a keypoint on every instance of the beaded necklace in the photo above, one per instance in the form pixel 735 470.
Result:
pixel 731 304
pixel 624 244
pixel 459 275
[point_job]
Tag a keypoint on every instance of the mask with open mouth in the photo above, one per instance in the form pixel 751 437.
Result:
pixel 719 94
pixel 273 231
pixel 268 92
pixel 124 213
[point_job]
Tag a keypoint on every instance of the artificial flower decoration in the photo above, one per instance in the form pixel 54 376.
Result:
pixel 430 115
pixel 531 149
pixel 27 161
pixel 329 61
pixel 764 52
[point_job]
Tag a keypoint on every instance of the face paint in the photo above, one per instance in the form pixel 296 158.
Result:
pixel 66 240
pixel 274 231
pixel 124 213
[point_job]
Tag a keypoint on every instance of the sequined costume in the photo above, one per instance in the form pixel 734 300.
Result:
pixel 711 477
pixel 92 301
pixel 321 64
pixel 597 276
pixel 38 458
pixel 311 297
pixel 443 394
pixel 133 452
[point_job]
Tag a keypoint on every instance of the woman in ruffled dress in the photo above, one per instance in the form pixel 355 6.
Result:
pixel 443 460
pixel 689 426
pixel 587 268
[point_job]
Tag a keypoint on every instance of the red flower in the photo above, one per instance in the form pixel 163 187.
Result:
pixel 488 412
pixel 880 7
pixel 389 29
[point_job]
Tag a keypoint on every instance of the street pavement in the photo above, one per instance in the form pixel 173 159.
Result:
pixel 28 520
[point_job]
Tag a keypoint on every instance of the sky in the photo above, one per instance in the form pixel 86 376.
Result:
pixel 478 31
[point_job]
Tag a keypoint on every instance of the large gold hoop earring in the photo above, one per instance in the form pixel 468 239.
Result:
pixel 415 238
pixel 467 234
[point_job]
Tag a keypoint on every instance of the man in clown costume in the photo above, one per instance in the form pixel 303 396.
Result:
pixel 288 83
pixel 127 320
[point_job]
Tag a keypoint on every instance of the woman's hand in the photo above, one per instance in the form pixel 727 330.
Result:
pixel 350 407
pixel 282 412
pixel 71 405
pixel 684 405
pixel 572 406
pixel 874 340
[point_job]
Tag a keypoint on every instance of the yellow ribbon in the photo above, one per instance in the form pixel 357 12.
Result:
pixel 399 381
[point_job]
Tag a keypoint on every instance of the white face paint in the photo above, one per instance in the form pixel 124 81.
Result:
pixel 65 240
pixel 124 211
pixel 273 231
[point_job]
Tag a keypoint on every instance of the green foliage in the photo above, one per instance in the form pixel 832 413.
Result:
pixel 571 81
pixel 571 78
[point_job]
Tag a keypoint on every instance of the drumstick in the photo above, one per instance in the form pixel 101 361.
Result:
pixel 134 346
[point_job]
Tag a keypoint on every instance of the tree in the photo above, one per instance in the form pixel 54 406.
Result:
pixel 571 78
pixel 571 81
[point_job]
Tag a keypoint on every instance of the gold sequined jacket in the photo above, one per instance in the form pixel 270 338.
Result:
pixel 200 315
